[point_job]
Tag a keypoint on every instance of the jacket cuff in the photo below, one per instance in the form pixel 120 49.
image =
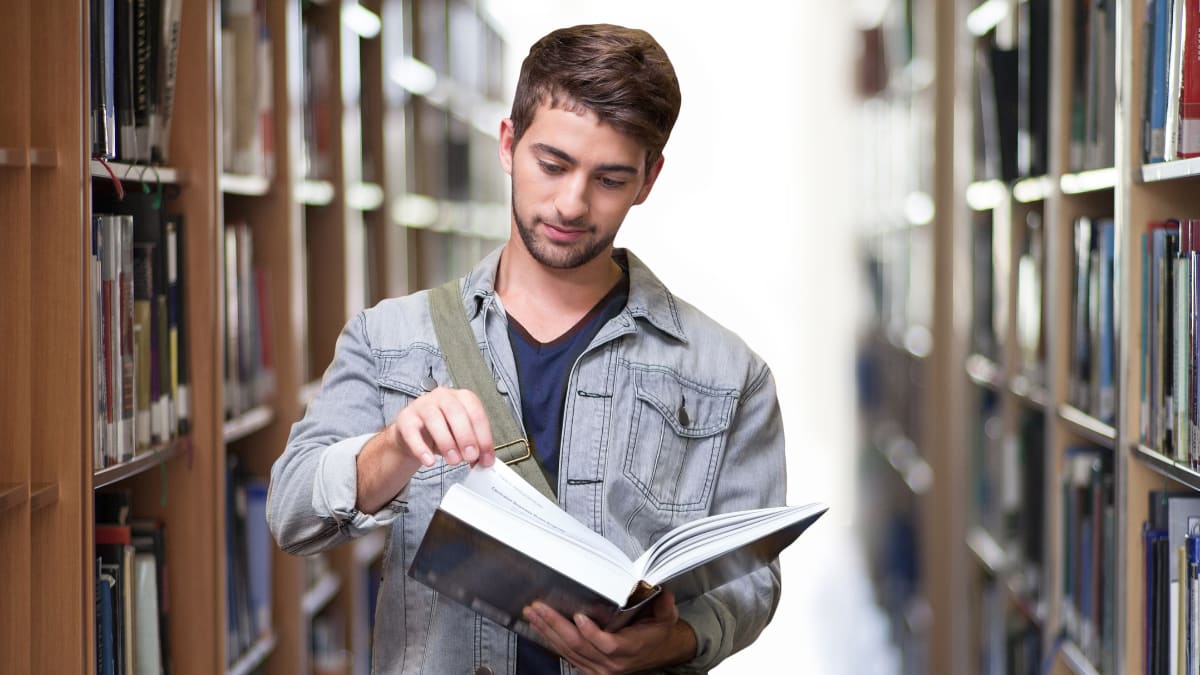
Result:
pixel 711 648
pixel 335 490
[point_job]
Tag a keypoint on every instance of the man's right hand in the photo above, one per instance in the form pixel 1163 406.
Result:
pixel 450 423
pixel 447 422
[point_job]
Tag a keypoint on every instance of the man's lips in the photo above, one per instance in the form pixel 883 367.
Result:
pixel 563 233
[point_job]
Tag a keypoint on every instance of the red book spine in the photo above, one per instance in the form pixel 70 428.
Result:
pixel 1189 91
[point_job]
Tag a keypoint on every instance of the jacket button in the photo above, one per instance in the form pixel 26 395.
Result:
pixel 483 670
pixel 501 387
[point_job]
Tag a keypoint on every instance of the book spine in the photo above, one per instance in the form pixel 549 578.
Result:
pixel 110 268
pixel 124 79
pixel 142 305
pixel 1106 409
pixel 168 63
pixel 97 357
pixel 233 404
pixel 128 358
pixel 1189 88
pixel 1174 81
pixel 1157 83
pixel 144 105
pixel 104 121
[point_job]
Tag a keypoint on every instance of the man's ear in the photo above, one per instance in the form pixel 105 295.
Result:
pixel 650 178
pixel 506 145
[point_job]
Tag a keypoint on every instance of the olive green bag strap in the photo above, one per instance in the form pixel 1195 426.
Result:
pixel 468 371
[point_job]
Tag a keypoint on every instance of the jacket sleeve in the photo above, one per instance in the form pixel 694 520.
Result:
pixel 310 504
pixel 752 475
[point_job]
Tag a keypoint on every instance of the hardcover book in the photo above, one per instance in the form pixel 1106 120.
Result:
pixel 494 525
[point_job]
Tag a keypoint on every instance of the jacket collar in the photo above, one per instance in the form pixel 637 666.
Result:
pixel 649 299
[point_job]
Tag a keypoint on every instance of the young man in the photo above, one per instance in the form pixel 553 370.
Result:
pixel 642 411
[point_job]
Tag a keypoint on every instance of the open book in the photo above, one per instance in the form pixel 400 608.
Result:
pixel 495 544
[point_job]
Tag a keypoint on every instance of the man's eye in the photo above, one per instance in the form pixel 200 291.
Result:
pixel 612 183
pixel 549 168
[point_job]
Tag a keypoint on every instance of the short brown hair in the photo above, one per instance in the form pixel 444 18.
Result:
pixel 620 74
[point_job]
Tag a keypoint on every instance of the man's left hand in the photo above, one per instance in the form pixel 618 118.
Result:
pixel 659 639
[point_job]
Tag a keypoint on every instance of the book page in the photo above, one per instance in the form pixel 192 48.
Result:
pixel 503 488
pixel 707 539
pixel 534 540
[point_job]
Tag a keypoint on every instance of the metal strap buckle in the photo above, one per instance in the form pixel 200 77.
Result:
pixel 519 441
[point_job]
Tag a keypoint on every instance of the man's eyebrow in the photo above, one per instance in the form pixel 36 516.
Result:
pixel 606 168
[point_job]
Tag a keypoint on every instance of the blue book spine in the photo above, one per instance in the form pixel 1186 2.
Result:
pixel 1158 78
pixel 1107 407
pixel 104 590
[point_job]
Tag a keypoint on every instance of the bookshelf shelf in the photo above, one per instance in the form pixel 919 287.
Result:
pixel 986 195
pixel 987 15
pixel 1031 608
pixel 252 420
pixel 901 453
pixel 364 197
pixel 308 392
pixel 143 462
pixel 254 657
pixel 1166 466
pixel 43 495
pixel 987 551
pixel 139 173
pixel 240 184
pixel 13 158
pixel 1164 171
pixel 315 192
pixel 43 158
pixel 1036 189
pixel 1073 657
pixel 1087 426
pixel 321 593
pixel 12 495
pixel 985 372
pixel 1088 181
pixel 1030 392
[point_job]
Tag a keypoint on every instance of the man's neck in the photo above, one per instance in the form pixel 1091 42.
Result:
pixel 548 301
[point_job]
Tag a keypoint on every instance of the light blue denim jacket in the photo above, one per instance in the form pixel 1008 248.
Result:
pixel 629 468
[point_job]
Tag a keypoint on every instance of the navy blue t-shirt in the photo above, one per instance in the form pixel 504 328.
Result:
pixel 543 369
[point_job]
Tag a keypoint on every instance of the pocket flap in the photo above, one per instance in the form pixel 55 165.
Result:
pixel 692 410
pixel 411 372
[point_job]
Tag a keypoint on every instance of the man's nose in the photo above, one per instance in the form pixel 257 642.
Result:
pixel 572 199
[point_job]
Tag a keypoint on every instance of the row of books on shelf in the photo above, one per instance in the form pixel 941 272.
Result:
pixel 249 366
pixel 1171 95
pixel 247 108
pixel 134 52
pixel 1170 324
pixel 248 548
pixel 1009 643
pixel 1089 541
pixel 987 318
pixel 1171 546
pixel 1093 352
pixel 1094 86
pixel 131 603
pixel 1012 97
pixel 138 335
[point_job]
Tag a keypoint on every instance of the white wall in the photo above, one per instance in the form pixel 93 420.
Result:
pixel 751 221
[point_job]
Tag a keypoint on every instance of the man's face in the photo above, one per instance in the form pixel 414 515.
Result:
pixel 573 181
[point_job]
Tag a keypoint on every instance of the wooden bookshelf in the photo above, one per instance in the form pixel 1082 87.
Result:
pixel 325 245
pixel 1078 188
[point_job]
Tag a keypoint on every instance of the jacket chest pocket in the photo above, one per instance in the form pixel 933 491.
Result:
pixel 677 436
pixel 404 376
